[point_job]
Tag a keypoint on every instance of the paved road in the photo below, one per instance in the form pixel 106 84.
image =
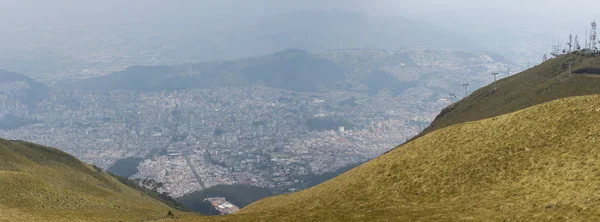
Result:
pixel 198 178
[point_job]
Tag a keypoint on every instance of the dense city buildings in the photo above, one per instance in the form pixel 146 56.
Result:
pixel 196 138
pixel 193 138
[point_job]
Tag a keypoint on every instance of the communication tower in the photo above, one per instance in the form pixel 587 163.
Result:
pixel 586 46
pixel 593 46
pixel 495 74
pixel 570 43
pixel 556 51
pixel 577 46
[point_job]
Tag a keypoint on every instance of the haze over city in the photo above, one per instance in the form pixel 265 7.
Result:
pixel 280 110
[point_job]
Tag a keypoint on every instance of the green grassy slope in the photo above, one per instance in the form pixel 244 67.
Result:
pixel 541 163
pixel 543 83
pixel 38 183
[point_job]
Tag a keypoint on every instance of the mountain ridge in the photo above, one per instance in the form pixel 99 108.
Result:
pixel 308 72
pixel 41 183
pixel 34 91
pixel 543 83
pixel 304 71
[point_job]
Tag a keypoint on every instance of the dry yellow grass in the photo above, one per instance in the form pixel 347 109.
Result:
pixel 542 163
pixel 44 184
pixel 542 83
pixel 7 214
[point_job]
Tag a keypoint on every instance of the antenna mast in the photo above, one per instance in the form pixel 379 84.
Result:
pixel 570 43
pixel 553 52
pixel 495 74
pixel 466 85
pixel 593 37
pixel 586 46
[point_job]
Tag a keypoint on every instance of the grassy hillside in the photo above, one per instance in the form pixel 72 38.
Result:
pixel 541 163
pixel 543 83
pixel 44 184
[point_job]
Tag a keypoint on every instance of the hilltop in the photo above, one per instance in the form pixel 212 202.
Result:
pixel 540 163
pixel 41 184
pixel 22 88
pixel 19 89
pixel 295 70
pixel 427 72
pixel 542 83
pixel 431 73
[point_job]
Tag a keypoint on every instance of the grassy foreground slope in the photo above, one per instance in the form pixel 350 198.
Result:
pixel 541 163
pixel 38 183
pixel 543 83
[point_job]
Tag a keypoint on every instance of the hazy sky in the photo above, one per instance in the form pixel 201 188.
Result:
pixel 42 12
pixel 538 19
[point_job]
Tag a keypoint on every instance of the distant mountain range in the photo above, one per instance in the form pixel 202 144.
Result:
pixel 295 70
pixel 361 70
pixel 117 46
